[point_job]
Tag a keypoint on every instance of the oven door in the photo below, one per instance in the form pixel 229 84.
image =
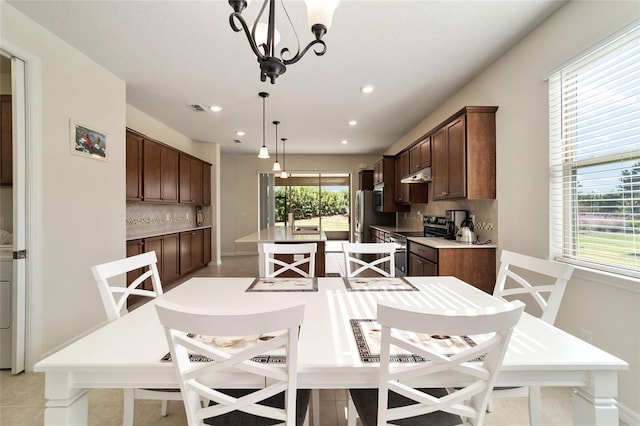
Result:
pixel 401 254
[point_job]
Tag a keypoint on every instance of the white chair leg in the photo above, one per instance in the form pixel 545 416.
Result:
pixel 129 401
pixel 315 402
pixel 352 414
pixel 165 408
pixel 535 408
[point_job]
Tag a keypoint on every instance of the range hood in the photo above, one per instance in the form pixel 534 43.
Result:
pixel 421 176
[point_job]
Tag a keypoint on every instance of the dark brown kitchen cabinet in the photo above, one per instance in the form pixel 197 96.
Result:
pixel 206 184
pixel 207 245
pixel 134 166
pixel 191 183
pixel 160 173
pixel 463 153
pixel 365 180
pixel 6 141
pixel 449 153
pixel 191 250
pixel 475 266
pixel 385 169
pixel 166 248
pixel 421 267
pixel 402 169
pixel 408 192
pixel 420 155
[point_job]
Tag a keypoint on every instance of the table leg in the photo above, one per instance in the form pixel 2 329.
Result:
pixel 596 404
pixel 65 405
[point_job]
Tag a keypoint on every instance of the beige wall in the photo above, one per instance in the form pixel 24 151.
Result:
pixel 516 83
pixel 79 201
pixel 239 190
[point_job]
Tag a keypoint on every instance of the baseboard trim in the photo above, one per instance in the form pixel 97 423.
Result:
pixel 627 415
pixel 240 253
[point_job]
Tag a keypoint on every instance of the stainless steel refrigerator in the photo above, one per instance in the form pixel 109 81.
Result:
pixel 366 215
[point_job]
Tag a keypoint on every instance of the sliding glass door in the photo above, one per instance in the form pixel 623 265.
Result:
pixel 316 199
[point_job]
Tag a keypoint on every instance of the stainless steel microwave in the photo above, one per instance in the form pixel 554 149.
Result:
pixel 378 197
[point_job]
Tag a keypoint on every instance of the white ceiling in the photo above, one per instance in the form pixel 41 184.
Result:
pixel 176 53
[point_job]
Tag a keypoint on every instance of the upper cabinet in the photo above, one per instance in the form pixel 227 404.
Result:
pixel 463 151
pixel 402 169
pixel 384 175
pixel 134 167
pixel 6 151
pixel 420 156
pixel 157 173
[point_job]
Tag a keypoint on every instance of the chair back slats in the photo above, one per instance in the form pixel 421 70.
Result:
pixel 282 321
pixel 522 275
pixel 357 258
pixel 103 273
pixel 304 255
pixel 492 328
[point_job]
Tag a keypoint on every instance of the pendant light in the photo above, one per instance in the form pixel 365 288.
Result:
pixel 264 152
pixel 284 174
pixel 276 165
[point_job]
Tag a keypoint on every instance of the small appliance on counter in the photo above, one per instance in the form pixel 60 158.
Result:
pixel 434 226
pixel 454 222
pixel 465 234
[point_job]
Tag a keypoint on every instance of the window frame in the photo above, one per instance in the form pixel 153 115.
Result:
pixel 564 201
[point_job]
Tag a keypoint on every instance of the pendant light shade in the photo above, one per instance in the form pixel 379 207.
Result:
pixel 264 152
pixel 284 174
pixel 276 165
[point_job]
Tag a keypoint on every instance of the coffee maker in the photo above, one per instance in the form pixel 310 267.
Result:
pixel 454 221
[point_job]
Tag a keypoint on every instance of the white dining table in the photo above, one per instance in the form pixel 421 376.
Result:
pixel 127 352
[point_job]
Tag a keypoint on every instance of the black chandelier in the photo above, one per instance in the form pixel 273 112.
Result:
pixel 319 12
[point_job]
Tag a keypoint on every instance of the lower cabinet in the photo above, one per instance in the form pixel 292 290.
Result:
pixel 178 254
pixel 191 250
pixel 476 266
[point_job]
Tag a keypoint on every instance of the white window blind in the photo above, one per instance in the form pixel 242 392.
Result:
pixel 594 125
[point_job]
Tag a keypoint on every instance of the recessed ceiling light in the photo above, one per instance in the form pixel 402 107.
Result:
pixel 344 142
pixel 240 133
pixel 368 88
pixel 215 108
pixel 353 123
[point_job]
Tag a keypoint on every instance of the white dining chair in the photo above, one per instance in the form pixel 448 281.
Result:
pixel 114 298
pixel 541 284
pixel 303 259
pixel 361 258
pixel 478 366
pixel 183 325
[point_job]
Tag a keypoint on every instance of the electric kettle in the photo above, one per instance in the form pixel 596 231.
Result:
pixel 465 234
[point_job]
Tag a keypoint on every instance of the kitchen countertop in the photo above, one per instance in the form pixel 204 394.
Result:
pixel 435 242
pixel 439 243
pixel 165 232
pixel 279 234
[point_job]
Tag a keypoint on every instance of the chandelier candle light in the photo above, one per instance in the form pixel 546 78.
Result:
pixel 264 152
pixel 276 165
pixel 319 16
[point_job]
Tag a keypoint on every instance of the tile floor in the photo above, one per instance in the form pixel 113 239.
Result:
pixel 22 397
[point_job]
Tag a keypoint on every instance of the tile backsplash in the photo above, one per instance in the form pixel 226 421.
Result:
pixel 485 211
pixel 151 218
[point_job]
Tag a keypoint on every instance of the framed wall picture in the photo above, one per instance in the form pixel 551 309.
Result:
pixel 87 141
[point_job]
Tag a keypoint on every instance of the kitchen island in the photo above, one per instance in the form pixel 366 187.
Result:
pixel 286 235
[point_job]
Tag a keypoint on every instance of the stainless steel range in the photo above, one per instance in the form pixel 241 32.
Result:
pixel 402 256
pixel 433 226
